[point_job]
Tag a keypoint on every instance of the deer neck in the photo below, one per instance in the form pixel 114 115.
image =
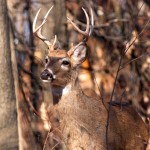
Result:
pixel 62 91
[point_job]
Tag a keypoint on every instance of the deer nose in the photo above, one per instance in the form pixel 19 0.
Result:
pixel 46 75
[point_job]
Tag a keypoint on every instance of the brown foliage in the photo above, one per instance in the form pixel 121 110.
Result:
pixel 117 24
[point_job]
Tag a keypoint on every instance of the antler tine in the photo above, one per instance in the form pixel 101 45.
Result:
pixel 34 21
pixel 53 45
pixel 92 22
pixel 92 17
pixel 88 21
pixel 86 32
pixel 37 31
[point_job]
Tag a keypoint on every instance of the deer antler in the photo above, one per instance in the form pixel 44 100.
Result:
pixel 37 31
pixel 86 34
pixel 89 26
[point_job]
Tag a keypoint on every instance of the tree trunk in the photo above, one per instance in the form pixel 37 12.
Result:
pixel 8 115
pixel 60 20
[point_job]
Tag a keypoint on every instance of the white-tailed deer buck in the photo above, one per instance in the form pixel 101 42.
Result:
pixel 77 120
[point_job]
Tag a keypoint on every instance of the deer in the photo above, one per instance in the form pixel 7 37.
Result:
pixel 77 120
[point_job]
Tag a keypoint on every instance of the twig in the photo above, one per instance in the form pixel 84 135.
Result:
pixel 123 94
pixel 127 63
pixel 55 146
pixel 140 9
pixel 27 99
pixel 33 109
pixel 136 37
pixel 48 134
pixel 109 107
pixel 103 25
pixel 101 95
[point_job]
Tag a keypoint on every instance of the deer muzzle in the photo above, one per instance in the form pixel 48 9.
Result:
pixel 46 75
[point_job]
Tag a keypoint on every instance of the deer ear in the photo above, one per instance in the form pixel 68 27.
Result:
pixel 78 55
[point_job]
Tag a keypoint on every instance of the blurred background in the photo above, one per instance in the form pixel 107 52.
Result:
pixel 118 23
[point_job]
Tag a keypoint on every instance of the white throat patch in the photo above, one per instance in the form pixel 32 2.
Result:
pixel 66 89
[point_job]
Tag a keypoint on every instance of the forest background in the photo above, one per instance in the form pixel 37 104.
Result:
pixel 121 32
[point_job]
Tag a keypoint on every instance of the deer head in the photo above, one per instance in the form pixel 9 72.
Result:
pixel 59 64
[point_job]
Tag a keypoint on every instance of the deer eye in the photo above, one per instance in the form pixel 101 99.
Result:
pixel 65 62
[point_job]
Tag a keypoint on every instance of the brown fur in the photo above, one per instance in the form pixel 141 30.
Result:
pixel 79 121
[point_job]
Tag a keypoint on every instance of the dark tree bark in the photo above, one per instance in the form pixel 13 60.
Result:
pixel 26 119
pixel 8 115
pixel 60 20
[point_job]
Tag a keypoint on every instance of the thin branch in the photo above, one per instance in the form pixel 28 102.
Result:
pixel 127 63
pixel 140 9
pixel 55 145
pixel 27 99
pixel 107 24
pixel 109 107
pixel 33 109
pixel 136 37
pixel 101 95
pixel 48 134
